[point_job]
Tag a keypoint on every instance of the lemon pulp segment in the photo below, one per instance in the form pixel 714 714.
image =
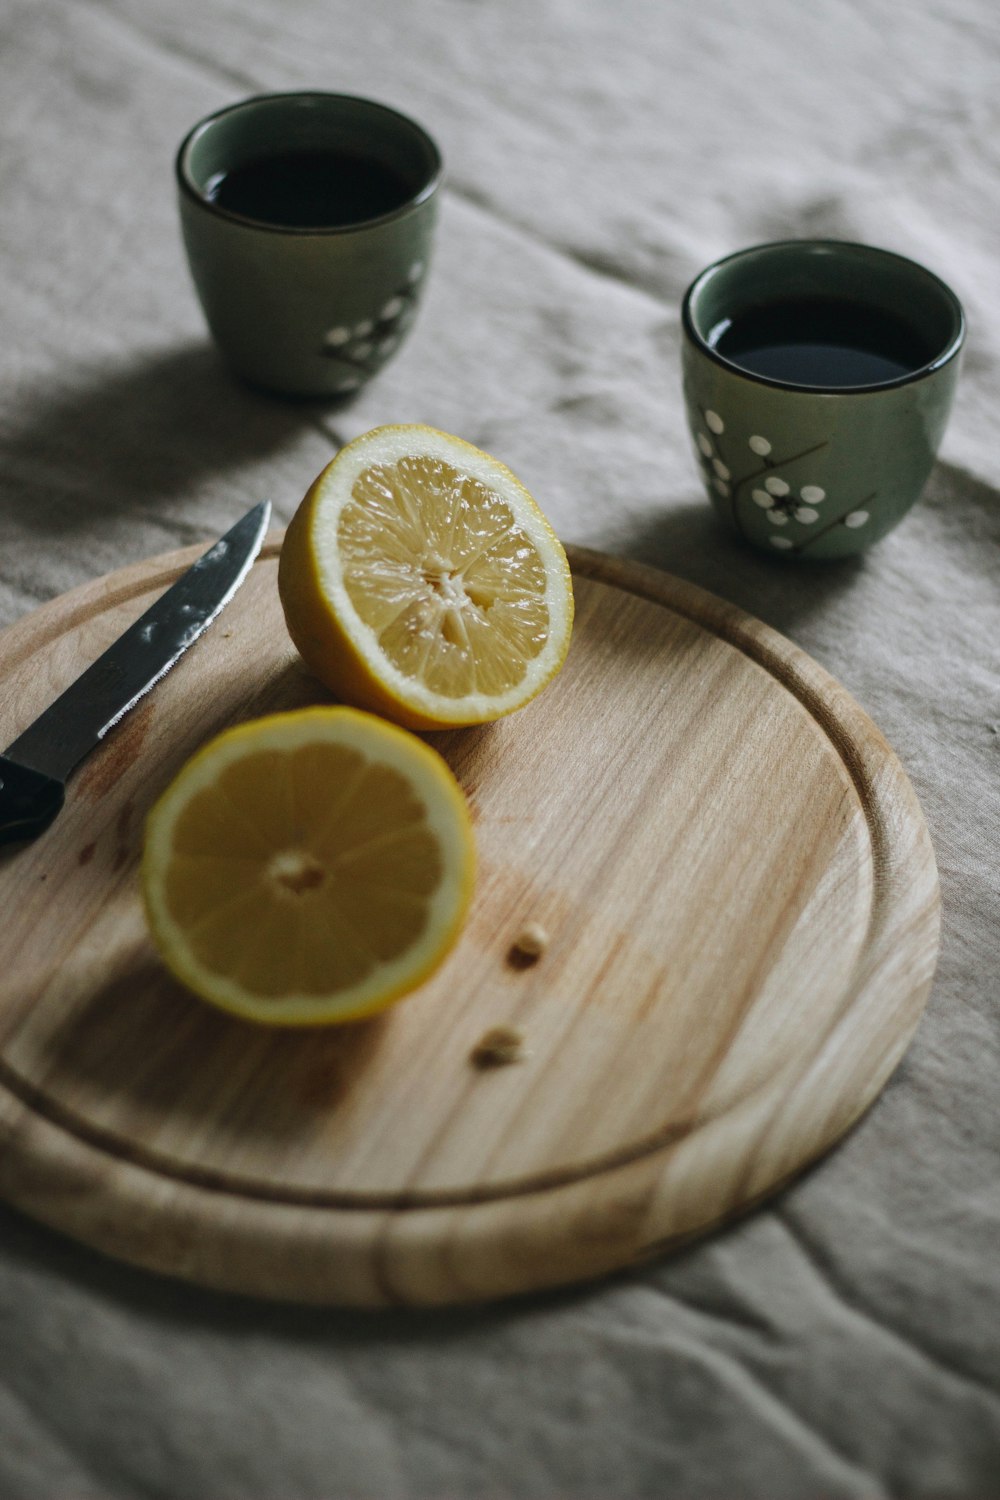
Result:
pixel 437 566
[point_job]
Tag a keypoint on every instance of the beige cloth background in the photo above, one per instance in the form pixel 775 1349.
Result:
pixel 843 1341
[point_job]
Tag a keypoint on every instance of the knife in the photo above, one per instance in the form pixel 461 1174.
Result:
pixel 35 768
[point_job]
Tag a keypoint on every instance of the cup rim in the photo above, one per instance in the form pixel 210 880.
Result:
pixel 190 189
pixel 949 352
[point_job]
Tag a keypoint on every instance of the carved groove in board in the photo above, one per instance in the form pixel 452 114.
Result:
pixel 234 1185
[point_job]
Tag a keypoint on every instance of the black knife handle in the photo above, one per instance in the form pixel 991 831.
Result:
pixel 29 800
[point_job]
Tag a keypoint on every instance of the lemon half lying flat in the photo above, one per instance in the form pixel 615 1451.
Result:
pixel 308 867
pixel 420 579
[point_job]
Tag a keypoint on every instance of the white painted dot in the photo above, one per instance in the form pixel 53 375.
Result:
pixel 762 498
pixel 760 445
pixel 806 514
pixel 775 485
pixel 349 383
pixel 812 494
pixel 415 272
pixel 365 326
pixel 388 344
pixel 721 486
pixel 714 421
pixel 392 308
pixel 362 351
pixel 856 518
pixel 783 543
pixel 720 468
pixel 778 517
pixel 336 336
pixel 705 444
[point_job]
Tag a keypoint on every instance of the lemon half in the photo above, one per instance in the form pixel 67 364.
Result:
pixel 308 867
pixel 419 579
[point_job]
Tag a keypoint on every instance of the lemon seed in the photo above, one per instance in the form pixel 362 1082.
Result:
pixel 531 941
pixel 497 1047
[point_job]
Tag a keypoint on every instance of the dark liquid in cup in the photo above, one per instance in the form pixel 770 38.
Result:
pixel 316 189
pixel 821 342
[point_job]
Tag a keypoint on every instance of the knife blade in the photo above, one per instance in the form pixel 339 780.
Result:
pixel 35 768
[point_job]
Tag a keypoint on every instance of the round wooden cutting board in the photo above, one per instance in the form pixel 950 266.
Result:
pixel 742 910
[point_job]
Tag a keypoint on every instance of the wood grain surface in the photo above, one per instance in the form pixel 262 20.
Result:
pixel 741 905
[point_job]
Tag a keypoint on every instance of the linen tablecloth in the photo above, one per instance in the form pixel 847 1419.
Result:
pixel 841 1341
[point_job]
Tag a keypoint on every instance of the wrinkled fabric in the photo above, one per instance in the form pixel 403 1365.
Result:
pixel 842 1341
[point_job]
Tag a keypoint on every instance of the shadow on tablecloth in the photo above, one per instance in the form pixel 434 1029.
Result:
pixel 112 440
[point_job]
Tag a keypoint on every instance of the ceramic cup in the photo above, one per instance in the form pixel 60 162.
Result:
pixel 309 309
pixel 818 469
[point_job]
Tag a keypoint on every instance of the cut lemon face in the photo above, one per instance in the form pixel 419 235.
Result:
pixel 419 579
pixel 309 867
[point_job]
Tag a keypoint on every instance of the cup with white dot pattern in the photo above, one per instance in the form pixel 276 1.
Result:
pixel 306 307
pixel 817 467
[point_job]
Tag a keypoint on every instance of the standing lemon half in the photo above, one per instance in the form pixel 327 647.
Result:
pixel 420 579
pixel 309 867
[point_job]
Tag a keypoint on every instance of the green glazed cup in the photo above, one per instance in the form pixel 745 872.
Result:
pixel 817 471
pixel 308 311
